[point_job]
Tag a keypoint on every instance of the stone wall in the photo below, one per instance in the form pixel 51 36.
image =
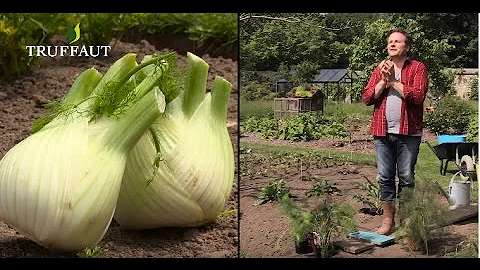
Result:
pixel 463 80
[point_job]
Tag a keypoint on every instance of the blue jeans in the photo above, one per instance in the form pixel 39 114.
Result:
pixel 396 153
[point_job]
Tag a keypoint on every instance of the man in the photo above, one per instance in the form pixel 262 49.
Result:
pixel 397 90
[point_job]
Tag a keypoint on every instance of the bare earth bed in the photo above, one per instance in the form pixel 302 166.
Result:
pixel 21 102
pixel 265 231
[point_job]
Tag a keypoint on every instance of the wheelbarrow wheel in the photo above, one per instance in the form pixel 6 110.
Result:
pixel 468 166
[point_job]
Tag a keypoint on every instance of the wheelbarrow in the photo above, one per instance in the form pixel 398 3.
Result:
pixel 464 154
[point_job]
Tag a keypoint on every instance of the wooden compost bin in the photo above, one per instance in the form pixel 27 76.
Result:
pixel 286 107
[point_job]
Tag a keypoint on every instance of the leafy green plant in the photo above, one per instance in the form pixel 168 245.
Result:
pixel 101 28
pixel 329 221
pixel 300 91
pixel 301 221
pixel 371 199
pixel 219 29
pixel 452 116
pixel 472 131
pixel 90 252
pixel 304 127
pixel 273 191
pixel 320 188
pixel 252 124
pixel 268 128
pixel 421 214
pixel 323 223
pixel 300 128
pixel 17 30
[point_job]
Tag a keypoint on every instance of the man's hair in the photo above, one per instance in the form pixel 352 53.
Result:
pixel 408 39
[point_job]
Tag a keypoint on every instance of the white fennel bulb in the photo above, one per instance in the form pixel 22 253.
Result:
pixel 59 186
pixel 180 173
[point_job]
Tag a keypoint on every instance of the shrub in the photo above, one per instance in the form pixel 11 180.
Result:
pixel 472 132
pixel 452 116
pixel 257 91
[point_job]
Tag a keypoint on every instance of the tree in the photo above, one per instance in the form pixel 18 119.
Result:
pixel 299 74
pixel 279 42
pixel 459 29
pixel 316 37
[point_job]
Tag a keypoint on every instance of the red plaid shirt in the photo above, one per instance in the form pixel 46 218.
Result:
pixel 415 85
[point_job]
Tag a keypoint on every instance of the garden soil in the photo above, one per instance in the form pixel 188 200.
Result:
pixel 22 101
pixel 265 231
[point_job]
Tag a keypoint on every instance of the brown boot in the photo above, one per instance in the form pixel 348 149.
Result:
pixel 388 218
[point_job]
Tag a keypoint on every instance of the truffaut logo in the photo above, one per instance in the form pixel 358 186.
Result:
pixel 73 35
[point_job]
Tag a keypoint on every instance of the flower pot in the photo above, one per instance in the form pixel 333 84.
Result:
pixel 324 252
pixel 319 251
pixel 303 247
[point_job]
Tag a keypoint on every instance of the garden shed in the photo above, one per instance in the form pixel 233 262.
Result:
pixel 332 82
pixel 327 84
pixel 309 100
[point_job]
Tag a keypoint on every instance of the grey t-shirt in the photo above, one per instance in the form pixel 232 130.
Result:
pixel 393 108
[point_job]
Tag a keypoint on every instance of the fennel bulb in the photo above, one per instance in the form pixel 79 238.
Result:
pixel 59 186
pixel 180 173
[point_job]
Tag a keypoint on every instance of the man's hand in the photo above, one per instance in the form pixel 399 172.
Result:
pixel 381 65
pixel 388 71
pixel 380 86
